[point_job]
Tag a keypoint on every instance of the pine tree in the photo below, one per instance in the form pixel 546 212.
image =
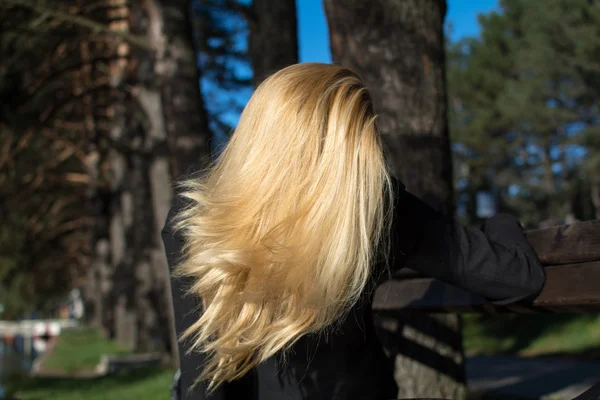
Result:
pixel 45 230
pixel 523 105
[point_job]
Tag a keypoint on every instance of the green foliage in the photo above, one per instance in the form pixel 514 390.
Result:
pixel 43 224
pixel 523 106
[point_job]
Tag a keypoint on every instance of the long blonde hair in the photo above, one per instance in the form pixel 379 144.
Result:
pixel 283 229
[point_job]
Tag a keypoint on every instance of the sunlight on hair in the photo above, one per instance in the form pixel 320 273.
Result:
pixel 282 231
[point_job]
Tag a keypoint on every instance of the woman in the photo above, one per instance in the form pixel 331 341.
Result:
pixel 286 236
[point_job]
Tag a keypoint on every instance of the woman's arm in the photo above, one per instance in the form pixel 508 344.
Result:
pixel 496 262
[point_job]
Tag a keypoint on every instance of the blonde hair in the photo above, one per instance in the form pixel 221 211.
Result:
pixel 283 229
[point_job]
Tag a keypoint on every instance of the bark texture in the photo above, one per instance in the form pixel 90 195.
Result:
pixel 150 128
pixel 174 97
pixel 178 81
pixel 595 196
pixel 273 40
pixel 397 47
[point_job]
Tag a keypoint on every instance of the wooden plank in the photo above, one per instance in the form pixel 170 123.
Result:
pixel 567 244
pixel 424 294
pixel 569 288
pixel 571 285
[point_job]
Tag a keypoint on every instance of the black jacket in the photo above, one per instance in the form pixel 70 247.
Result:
pixel 496 262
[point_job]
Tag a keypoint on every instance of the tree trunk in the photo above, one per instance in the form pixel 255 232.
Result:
pixel 107 124
pixel 185 116
pixel 548 180
pixel 178 136
pixel 150 127
pixel 595 196
pixel 273 39
pixel 397 47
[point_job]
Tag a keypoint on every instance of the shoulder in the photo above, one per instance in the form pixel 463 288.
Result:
pixel 398 187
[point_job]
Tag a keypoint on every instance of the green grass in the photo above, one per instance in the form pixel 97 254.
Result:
pixel 78 350
pixel 147 384
pixel 532 334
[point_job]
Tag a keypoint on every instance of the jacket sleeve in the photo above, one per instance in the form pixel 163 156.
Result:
pixel 186 312
pixel 496 261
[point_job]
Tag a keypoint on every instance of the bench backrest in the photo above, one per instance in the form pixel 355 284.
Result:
pixel 570 254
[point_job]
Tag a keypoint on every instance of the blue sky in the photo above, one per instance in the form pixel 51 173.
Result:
pixel 313 35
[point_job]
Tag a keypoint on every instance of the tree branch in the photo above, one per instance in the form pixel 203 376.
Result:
pixel 94 26
pixel 231 5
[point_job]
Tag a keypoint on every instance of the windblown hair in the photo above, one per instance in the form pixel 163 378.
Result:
pixel 283 229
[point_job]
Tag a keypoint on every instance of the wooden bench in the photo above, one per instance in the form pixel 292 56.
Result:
pixel 570 254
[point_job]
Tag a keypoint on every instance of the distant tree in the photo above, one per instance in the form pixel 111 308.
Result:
pixel 220 32
pixel 45 228
pixel 239 44
pixel 523 99
pixel 478 71
pixel 397 46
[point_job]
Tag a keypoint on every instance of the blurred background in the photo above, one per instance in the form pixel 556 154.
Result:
pixel 106 102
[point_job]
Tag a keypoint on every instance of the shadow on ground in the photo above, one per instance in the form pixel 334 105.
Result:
pixel 530 378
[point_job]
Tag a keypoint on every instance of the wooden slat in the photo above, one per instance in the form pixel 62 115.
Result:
pixel 569 288
pixel 567 244
pixel 571 285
